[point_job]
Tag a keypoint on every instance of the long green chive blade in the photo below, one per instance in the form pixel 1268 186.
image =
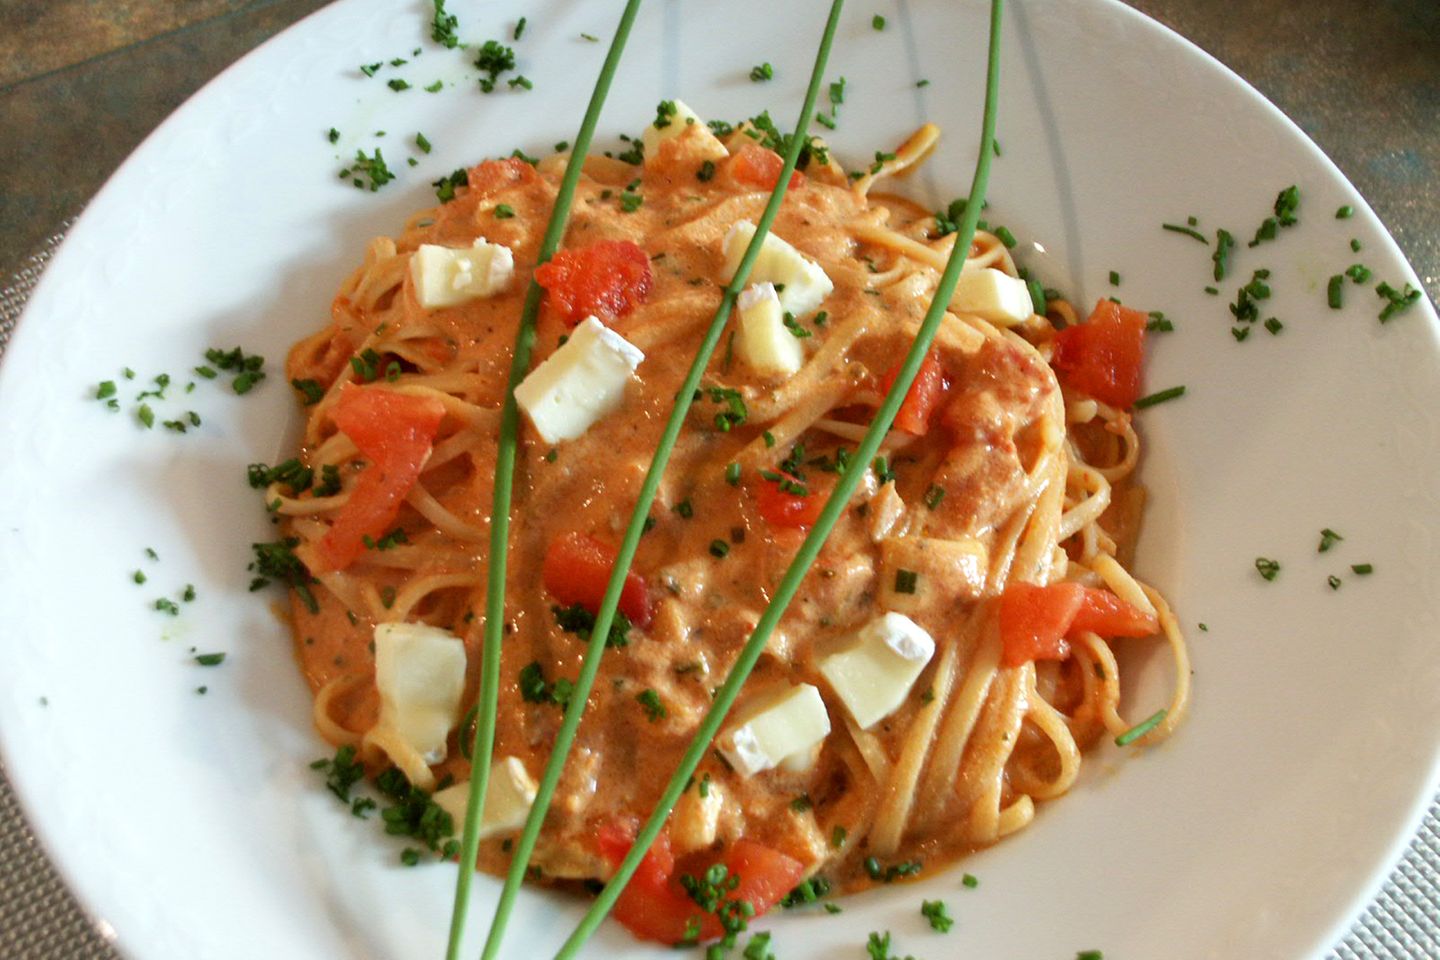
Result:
pixel 834 506
pixel 484 742
pixel 595 647
pixel 1141 728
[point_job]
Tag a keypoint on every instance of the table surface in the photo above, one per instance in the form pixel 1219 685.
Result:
pixel 87 80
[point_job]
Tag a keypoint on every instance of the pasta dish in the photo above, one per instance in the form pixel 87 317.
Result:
pixel 949 657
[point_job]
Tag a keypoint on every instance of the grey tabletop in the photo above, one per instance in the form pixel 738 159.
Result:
pixel 83 81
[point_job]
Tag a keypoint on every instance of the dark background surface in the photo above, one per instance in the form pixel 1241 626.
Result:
pixel 83 81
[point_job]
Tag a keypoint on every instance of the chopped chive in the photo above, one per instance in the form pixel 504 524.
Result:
pixel 1328 539
pixel 685 509
pixel 1004 235
pixel 1269 569
pixel 877 22
pixel 1334 582
pixel 1362 569
pixel 1345 212
pixel 1141 728
pixel 719 548
pixel 699 746
pixel 1160 397
pixel 519 28
pixel 1335 291
pixel 970 881
pixel 1224 244
pixel 732 474
pixel 210 659
pixel 1274 326
pixel 762 72
pixel 933 496
pixel 934 912
pixel 1188 231
pixel 1355 244
pixel 503 211
pixel 1114 279
pixel 906 581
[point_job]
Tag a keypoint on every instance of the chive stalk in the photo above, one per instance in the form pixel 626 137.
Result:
pixel 484 741
pixel 564 739
pixel 835 505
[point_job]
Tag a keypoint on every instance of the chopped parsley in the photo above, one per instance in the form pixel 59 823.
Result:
pixel 145 415
pixel 342 772
pixel 309 390
pixel 1397 301
pixel 579 621
pixel 934 912
pixel 1269 569
pixel 435 87
pixel 444 26
pixel 397 85
pixel 445 186
pixel 654 708
pixel 372 167
pixel 735 412
pixel 535 689
pixel 493 59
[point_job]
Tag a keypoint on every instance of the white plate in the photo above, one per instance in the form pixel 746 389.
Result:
pixel 191 825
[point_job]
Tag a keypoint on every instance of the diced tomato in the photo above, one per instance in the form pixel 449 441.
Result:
pixel 1109 616
pixel 395 433
pixel 1034 621
pixel 924 395
pixel 577 568
pixel 606 279
pixel 655 907
pixel 781 508
pixel 492 176
pixel 1101 357
pixel 755 165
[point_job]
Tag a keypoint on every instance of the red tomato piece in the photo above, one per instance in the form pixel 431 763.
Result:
pixel 1101 357
pixel 757 166
pixel 577 568
pixel 492 176
pixel 395 432
pixel 781 508
pixel 606 279
pixel 653 906
pixel 1034 621
pixel 925 394
pixel 1109 616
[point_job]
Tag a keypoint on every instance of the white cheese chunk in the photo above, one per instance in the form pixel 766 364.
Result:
pixel 448 276
pixel 764 342
pixel 420 673
pixel 994 295
pixel 874 672
pixel 788 724
pixel 804 284
pixel 578 383
pixel 507 799
pixel 682 119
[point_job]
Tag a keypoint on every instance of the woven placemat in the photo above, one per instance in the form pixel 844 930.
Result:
pixel 40 919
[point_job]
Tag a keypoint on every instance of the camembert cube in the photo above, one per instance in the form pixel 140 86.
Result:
pixel 765 343
pixel 800 282
pixel 579 383
pixel 449 276
pixel 994 295
pixel 507 799
pixel 875 670
pixel 420 673
pixel 789 723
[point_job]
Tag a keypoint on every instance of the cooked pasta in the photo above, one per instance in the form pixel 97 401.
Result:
pixel 997 475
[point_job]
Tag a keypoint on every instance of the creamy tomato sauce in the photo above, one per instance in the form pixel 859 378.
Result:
pixel 962 483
